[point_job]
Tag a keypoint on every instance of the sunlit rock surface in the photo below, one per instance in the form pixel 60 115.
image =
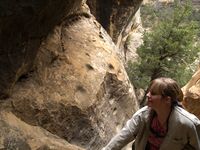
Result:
pixel 192 94
pixel 115 16
pixel 62 78
pixel 15 134
pixel 23 26
pixel 121 19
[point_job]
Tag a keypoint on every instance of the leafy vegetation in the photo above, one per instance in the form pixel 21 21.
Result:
pixel 169 48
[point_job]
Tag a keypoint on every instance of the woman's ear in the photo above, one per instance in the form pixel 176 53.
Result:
pixel 168 99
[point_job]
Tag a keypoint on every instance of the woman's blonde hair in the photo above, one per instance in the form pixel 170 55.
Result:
pixel 167 87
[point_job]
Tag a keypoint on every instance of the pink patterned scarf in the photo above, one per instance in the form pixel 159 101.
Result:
pixel 157 134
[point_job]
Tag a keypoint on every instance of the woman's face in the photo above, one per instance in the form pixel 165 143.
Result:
pixel 154 98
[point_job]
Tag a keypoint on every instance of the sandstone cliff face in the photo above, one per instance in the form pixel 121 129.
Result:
pixel 23 26
pixel 15 134
pixel 115 15
pixel 120 20
pixel 62 79
pixel 192 94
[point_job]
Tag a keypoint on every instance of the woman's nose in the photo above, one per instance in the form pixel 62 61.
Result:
pixel 148 94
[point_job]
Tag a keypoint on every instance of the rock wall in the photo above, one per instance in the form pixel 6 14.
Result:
pixel 114 15
pixel 192 94
pixel 15 134
pixel 63 84
pixel 24 24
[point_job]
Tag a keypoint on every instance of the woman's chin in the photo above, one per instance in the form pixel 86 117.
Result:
pixel 149 104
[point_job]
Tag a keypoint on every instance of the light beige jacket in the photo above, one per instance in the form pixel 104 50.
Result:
pixel 183 131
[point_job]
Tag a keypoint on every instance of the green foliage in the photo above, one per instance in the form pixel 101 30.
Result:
pixel 148 15
pixel 169 49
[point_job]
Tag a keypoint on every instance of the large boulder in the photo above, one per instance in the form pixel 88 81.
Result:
pixel 15 134
pixel 74 86
pixel 23 26
pixel 192 94
pixel 115 16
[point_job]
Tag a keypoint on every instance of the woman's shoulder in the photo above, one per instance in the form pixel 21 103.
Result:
pixel 142 112
pixel 144 109
pixel 186 116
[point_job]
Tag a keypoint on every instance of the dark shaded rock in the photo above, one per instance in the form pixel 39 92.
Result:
pixel 17 135
pixel 78 81
pixel 13 143
pixel 67 79
pixel 23 26
pixel 114 15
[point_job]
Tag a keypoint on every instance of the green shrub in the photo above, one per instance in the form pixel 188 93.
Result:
pixel 169 48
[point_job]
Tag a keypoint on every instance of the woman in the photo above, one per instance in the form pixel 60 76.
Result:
pixel 162 124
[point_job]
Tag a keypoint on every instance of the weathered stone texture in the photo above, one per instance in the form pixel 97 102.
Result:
pixel 15 134
pixel 74 86
pixel 23 26
pixel 115 15
pixel 192 94
pixel 61 78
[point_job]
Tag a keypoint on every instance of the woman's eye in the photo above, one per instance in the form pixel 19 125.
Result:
pixel 154 93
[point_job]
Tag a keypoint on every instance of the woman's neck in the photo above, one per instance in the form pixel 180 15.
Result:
pixel 163 115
